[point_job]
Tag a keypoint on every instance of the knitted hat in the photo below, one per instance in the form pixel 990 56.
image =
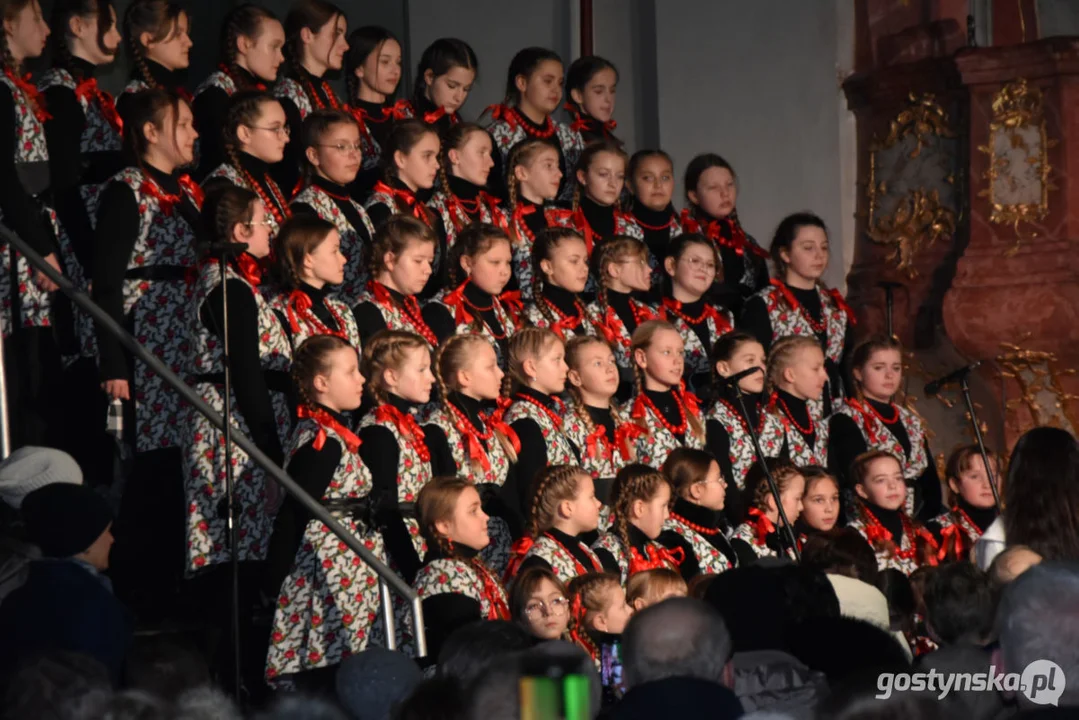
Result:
pixel 30 468
pixel 64 519
pixel 371 683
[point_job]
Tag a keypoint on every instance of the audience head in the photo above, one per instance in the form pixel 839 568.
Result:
pixel 502 692
pixel 680 637
pixel 844 646
pixel 538 603
pixel 57 686
pixel 1041 496
pixel 841 551
pixel 30 468
pixel 960 605
pixel 372 683
pixel 67 520
pixel 165 668
pixel 474 649
pixel 437 698
pixel 1011 563
pixel 650 587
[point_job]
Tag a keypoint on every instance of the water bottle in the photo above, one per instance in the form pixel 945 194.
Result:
pixel 114 422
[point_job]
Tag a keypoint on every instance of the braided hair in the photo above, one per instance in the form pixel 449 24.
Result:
pixel 782 355
pixel 310 359
pixel 528 343
pixel 361 43
pixel 224 208
pixel 387 350
pixel 244 108
pixel 547 240
pixel 633 482
pixel 160 18
pixel 757 491
pixel 552 486
pixel 311 15
pixel 619 248
pixel 245 21
pixel 60 22
pixel 523 155
pixel 454 139
pixel 584 163
pixel 589 595
pixel 642 340
pixel 437 502
pixel 574 349
pixel 298 237
pixel 452 356
pixel 473 240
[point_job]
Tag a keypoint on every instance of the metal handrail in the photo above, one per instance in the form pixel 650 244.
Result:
pixel 387 578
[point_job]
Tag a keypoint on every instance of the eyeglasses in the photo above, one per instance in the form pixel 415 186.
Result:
pixel 261 223
pixel 283 131
pixel 698 264
pixel 555 607
pixel 345 147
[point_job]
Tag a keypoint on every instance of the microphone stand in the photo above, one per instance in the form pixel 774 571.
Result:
pixel 889 304
pixel 978 438
pixel 768 474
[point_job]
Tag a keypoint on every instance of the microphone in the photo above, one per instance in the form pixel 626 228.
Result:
pixel 737 377
pixel 889 285
pixel 224 249
pixel 934 386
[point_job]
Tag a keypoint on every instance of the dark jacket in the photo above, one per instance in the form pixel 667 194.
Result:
pixel 775 681
pixel 64 606
pixel 677 697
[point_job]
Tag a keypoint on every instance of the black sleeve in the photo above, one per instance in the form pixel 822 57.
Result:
pixel 22 212
pixel 287 172
pixel 360 188
pixel 496 179
pixel 63 134
pixel 380 454
pixel 690 567
pixel 442 462
pixel 927 486
pixel 114 239
pixel 248 382
pixel 378 214
pixel 443 614
pixel 299 208
pixel 439 319
pixel 719 444
pixel 534 561
pixel 606 559
pixel 530 461
pixel 756 322
pixel 744 552
pixel 209 109
pixel 440 277
pixel 368 321
pixel 845 442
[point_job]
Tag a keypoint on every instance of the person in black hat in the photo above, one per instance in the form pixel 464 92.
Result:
pixel 66 603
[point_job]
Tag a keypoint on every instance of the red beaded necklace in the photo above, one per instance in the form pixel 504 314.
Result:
pixel 278 207
pixel 525 124
pixel 818 326
pixel 409 308
pixel 674 307
pixel 464 425
pixel 790 416
pixel 886 421
pixel 655 228
pixel 745 424
pixel 555 418
pixel 331 98
pixel 408 428
pixel 299 306
pixel 577 566
pixel 644 402
pixel 695 527
pixel 875 531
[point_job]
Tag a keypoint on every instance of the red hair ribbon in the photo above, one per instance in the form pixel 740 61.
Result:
pixel 407 426
pixel 581 123
pixel 501 111
pixel 456 300
pixel 511 300
pixel 688 399
pixel 495 422
pixel 518 551
pixel 954 536
pixel 763 526
pixel 841 303
pixel 88 89
pixel 625 435
pixel 592 443
pixel 325 420
pixel 655 557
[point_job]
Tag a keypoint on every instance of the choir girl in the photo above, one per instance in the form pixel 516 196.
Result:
pixel 712 194
pixel 594 211
pixel 654 586
pixel 640 501
pixel 251 42
pixel 255 133
pixel 373 71
pixel 971 505
pixel 533 92
pixel 899 541
pixel 592 83
pixel 871 421
pixel 762 534
pixel 314 45
pixel 795 380
pixel 797 303
pixel 691 266
pixel 331 159
pixel 400 264
pixel 620 266
pixel 603 434
pixel 598 612
pixel 532 179
pixel 410 165
pixel 668 412
pixel 155 33
pixel 31 353
pixel 481 256
pixel 650 177
pixel 397 366
pixel 259 359
pixel 329 599
pixel 563 511
pixel 466 441
pixel 559 275
pixel 444 79
pixel 454 584
pixel 820 503
pixel 696 523
pixel 535 377
pixel 727 426
pixel 538 604
pixel 309 261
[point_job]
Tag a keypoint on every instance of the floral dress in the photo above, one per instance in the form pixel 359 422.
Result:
pixel 661 437
pixel 799 450
pixel 356 272
pixel 718 321
pixel 645 555
pixel 445 576
pixel 564 326
pixel 904 558
pixel 303 323
pixel 329 602
pixel 710 560
pixel 743 455
pixel 203 454
pixel 558 447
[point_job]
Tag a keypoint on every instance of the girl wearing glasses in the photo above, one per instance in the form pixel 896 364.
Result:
pixel 691 266
pixel 256 133
pixel 332 157
pixel 538 604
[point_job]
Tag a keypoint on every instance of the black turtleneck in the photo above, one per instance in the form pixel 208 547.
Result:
pixel 620 303
pixel 210 108
pixel 982 517
pixel 699 383
pixel 380 212
pixel 719 444
pixel 479 304
pixel 656 226
pixel 496 181
pixel 422 107
pixel 381 453
pixel 599 217
pixel 118 219
pixel 368 318
pixel 318 304
pixel 702 517
pixel 533 456
pixel 668 407
pixel 562 299
pixel 799 414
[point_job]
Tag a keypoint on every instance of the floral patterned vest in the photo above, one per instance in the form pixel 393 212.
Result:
pixel 742 453
pixel 562 563
pixel 535 317
pixel 99 134
pixel 394 317
pixel 453 215
pixel 476 326
pixel 601 459
pixel 799 451
pixel 450 576
pixel 497 459
pixel 878 436
pixel 610 326
pixel 234 176
pixel 710 559
pixel 696 354
pixel 303 326
pixel 656 444
pixel 351 479
pixel 559 449
pixel 747 532
pixel 289 89
pixel 613 544
pixel 886 559
pixel 787 320
pixel 508 133
pixel 356 273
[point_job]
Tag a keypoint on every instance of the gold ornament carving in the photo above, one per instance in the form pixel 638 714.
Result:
pixel 1041 391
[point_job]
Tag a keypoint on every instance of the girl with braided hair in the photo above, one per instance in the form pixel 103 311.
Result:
pixel 250 54
pixel 598 612
pixel 397 366
pixel 533 92
pixel 795 379
pixel 761 535
pixel 409 168
pixel 620 267
pixel 640 505
pixel 563 511
pixel 260 358
pixel 314 45
pixel 467 441
pixel 255 136
pixel 400 263
pixel 650 177
pixel 155 36
pixel 532 179
pixel 559 276
pixel 697 523
pixel 456 586
pixel 327 599
pixel 477 305
pixel 309 261
pixel 668 412
pixel 331 160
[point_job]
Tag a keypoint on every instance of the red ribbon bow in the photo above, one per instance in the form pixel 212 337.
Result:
pixel 407 426
pixel 298 303
pixel 688 399
pixel 167 201
pixel 625 435
pixel 495 422
pixel 518 551
pixel 655 557
pixel 567 323
pixel 499 610
pixel 954 536
pixel 581 122
pixel 249 268
pixel 405 196
pixel 87 89
pixel 592 443
pixel 736 241
pixel 841 303
pixel 456 300
pixel 763 526
pixel 37 103
pixel 434 116
pixel 325 420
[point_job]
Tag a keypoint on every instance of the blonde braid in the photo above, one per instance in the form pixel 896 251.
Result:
pixel 576 203
pixel 573 349
pixel 782 356
pixel 442 366
pixel 553 485
pixel 387 349
pixel 633 482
